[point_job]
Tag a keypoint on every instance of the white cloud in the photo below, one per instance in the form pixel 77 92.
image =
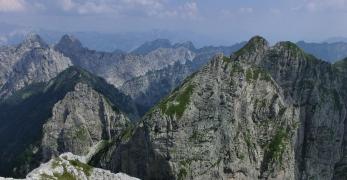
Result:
pixel 91 7
pixel 39 6
pixel 322 5
pixel 246 10
pixel 189 9
pixel 151 8
pixel 67 4
pixel 155 4
pixel 12 5
pixel 86 7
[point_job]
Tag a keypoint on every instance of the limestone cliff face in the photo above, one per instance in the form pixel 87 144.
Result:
pixel 37 65
pixel 74 112
pixel 315 87
pixel 79 121
pixel 264 113
pixel 32 61
pixel 229 120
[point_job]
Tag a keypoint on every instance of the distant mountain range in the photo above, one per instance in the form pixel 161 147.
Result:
pixel 44 86
pixel 330 52
pixel 34 60
pixel 336 39
pixel 172 111
pixel 13 34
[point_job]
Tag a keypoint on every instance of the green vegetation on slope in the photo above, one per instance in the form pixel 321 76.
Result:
pixel 252 74
pixel 85 167
pixel 226 59
pixel 178 102
pixel 277 145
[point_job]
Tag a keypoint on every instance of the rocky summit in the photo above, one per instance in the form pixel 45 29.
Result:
pixel 265 112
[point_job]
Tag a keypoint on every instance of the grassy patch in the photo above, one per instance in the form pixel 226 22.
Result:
pixel 236 68
pixel 226 59
pixel 178 102
pixel 85 167
pixel 277 146
pixel 241 156
pixel 253 74
pixel 249 75
pixel 81 133
pixel 128 132
pixel 45 176
pixel 56 162
pixel 291 46
pixel 65 176
pixel 182 173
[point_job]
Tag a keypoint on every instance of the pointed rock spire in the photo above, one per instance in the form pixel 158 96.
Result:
pixel 33 40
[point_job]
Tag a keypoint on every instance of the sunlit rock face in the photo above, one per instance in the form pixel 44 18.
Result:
pixel 266 112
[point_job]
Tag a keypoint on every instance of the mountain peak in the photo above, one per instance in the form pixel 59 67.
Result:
pixel 33 40
pixel 188 44
pixel 70 42
pixel 69 38
pixel 258 41
pixel 152 45
pixel 287 45
pixel 69 78
pixel 255 45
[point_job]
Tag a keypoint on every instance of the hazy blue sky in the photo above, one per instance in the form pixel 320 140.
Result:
pixel 232 19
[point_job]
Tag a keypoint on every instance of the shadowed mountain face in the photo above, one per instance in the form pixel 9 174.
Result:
pixel 263 113
pixel 70 113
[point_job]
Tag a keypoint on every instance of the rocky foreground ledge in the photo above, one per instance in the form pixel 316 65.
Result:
pixel 71 167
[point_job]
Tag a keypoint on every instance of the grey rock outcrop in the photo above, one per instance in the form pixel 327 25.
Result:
pixel 75 111
pixel 80 121
pixel 263 113
pixel 32 61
